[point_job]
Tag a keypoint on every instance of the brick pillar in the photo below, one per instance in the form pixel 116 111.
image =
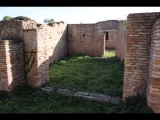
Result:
pixel 11 65
pixel 153 87
pixel 120 43
pixel 138 36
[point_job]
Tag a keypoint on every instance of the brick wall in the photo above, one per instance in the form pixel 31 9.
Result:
pixel 57 42
pixel 120 43
pixel 138 36
pixel 11 65
pixel 81 39
pixel 14 31
pixel 112 39
pixel 43 44
pixel 48 43
pixel 153 87
pixel 30 51
pixel 89 39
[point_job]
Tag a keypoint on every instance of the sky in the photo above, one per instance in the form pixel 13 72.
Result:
pixel 74 15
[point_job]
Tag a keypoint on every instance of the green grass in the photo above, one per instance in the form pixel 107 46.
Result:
pixel 89 74
pixel 78 73
pixel 109 53
pixel 29 100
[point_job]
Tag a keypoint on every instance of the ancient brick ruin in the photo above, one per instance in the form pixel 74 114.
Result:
pixel 27 49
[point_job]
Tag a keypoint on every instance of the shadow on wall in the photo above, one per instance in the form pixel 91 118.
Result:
pixel 32 66
pixel 49 48
pixel 60 48
pixel 12 64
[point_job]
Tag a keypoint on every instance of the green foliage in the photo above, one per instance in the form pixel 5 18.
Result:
pixel 21 18
pixel 7 18
pixel 51 21
pixel 48 20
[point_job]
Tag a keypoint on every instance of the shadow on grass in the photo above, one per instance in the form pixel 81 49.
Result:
pixel 30 100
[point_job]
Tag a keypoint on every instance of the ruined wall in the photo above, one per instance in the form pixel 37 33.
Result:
pixel 153 87
pixel 14 31
pixel 81 39
pixel 138 37
pixel 11 65
pixel 43 44
pixel 57 42
pixel 89 39
pixel 46 44
pixel 120 43
pixel 11 30
pixel 112 39
pixel 30 49
pixel 52 46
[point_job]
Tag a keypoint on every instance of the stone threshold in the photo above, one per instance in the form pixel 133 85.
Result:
pixel 86 95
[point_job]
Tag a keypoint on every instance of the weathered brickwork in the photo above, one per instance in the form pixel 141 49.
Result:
pixel 27 49
pixel 111 41
pixel 11 65
pixel 138 37
pixel 45 44
pixel 89 39
pixel 153 87
pixel 57 41
pixel 30 48
pixel 120 43
pixel 81 39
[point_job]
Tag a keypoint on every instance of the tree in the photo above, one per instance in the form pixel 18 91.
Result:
pixel 51 20
pixel 6 18
pixel 21 18
pixel 48 21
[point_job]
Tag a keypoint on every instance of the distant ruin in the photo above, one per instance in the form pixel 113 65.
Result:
pixel 27 49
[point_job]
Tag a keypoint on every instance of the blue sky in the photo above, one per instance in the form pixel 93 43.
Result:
pixel 74 15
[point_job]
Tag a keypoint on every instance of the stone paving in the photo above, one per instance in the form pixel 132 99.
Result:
pixel 86 95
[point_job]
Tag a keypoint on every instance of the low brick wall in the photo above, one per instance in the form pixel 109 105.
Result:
pixel 11 65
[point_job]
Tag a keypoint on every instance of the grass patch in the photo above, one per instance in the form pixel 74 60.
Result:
pixel 109 53
pixel 89 74
pixel 29 100
pixel 77 73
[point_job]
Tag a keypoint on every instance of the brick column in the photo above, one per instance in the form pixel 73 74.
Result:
pixel 11 65
pixel 153 87
pixel 138 37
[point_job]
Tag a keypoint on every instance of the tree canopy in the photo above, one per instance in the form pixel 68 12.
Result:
pixel 48 20
pixel 7 18
pixel 21 18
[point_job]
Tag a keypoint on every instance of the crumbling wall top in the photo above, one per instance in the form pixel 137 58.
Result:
pixel 28 25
